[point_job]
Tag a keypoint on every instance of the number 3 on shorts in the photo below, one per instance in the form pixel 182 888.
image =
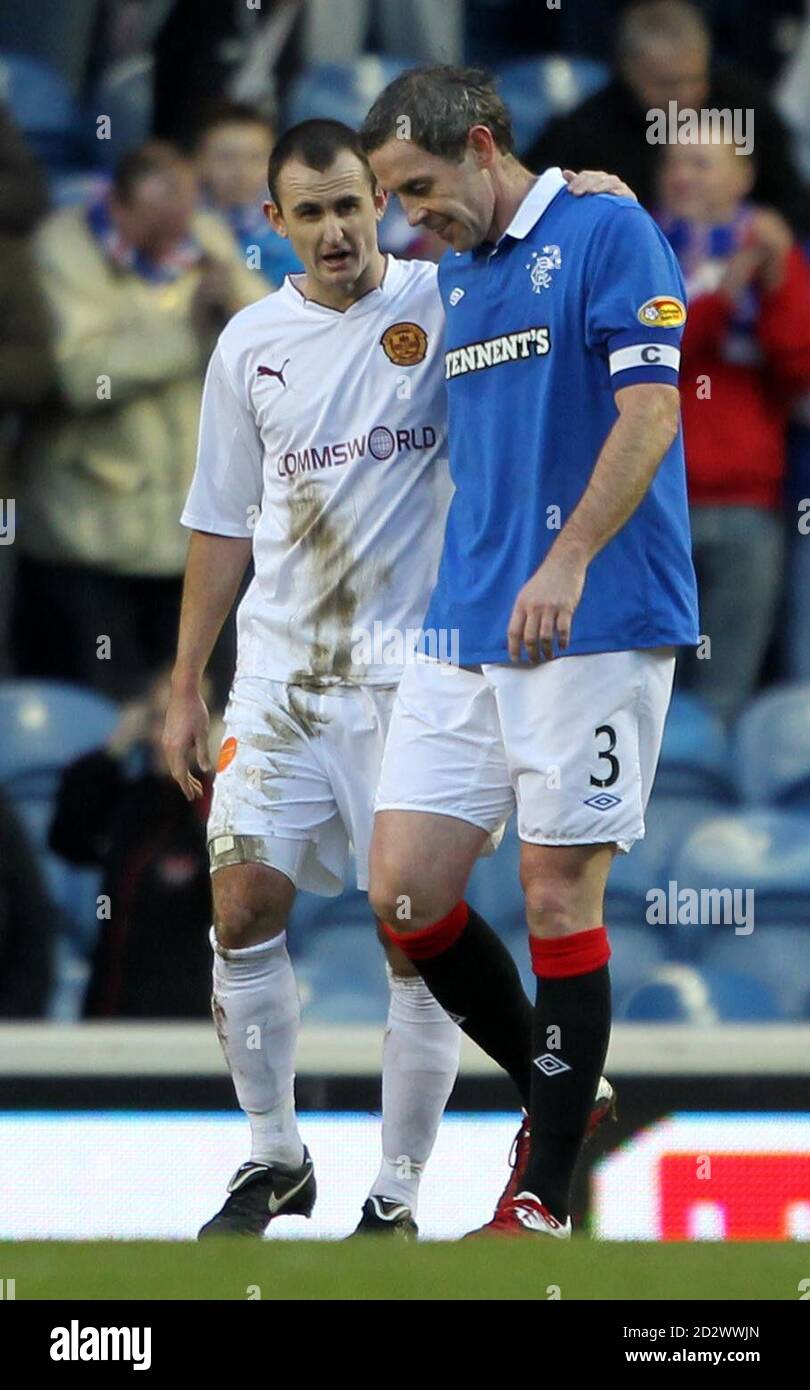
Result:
pixel 608 755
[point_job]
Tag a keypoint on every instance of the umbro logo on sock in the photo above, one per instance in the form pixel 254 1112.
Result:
pixel 550 1065
pixel 457 1018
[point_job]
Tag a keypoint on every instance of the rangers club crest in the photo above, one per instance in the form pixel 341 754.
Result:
pixel 541 265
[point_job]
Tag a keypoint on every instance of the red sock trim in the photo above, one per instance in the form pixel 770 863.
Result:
pixel 561 956
pixel 433 940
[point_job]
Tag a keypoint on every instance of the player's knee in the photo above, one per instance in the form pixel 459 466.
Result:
pixel 551 901
pixel 386 903
pixel 398 908
pixel 249 906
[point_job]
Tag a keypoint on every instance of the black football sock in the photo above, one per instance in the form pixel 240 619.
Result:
pixel 570 1034
pixel 468 969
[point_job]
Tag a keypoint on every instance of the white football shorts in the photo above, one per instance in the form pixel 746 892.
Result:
pixel 295 780
pixel 572 744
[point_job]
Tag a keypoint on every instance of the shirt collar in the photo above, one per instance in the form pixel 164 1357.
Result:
pixel 535 203
pixel 389 285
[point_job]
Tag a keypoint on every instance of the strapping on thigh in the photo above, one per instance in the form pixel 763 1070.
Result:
pixel 225 850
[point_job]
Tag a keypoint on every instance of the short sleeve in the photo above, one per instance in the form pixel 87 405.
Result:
pixel 636 300
pixel 228 481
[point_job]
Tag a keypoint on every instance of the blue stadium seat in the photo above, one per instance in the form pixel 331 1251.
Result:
pixel 538 89
pixel 125 93
pixel 43 727
pixel 695 757
pixel 649 864
pixel 313 915
pixel 777 956
pixel 771 748
pixel 636 952
pixel 42 105
pixel 494 887
pixel 766 852
pixel 343 964
pixel 351 1008
pixel 684 994
pixel 516 942
pixel 72 887
pixel 340 91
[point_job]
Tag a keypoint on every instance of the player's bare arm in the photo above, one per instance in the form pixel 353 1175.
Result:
pixel 646 426
pixel 214 570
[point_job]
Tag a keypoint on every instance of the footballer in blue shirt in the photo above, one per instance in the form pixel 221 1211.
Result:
pixel 565 586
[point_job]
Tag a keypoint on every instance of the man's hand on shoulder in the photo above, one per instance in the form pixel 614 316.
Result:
pixel 596 181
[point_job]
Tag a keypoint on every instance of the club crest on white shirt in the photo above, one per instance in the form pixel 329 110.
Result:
pixel 541 266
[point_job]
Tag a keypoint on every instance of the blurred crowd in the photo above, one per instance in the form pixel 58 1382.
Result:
pixel 125 247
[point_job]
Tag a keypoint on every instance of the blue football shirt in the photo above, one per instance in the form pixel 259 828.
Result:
pixel 580 297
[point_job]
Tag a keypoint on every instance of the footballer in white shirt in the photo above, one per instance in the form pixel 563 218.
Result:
pixel 322 452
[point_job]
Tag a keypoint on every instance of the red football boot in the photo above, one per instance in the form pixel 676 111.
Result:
pixel 604 1107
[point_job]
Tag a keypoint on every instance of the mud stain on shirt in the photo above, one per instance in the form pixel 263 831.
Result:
pixel 336 582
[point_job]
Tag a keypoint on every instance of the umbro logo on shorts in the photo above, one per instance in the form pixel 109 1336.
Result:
pixel 602 801
pixel 550 1065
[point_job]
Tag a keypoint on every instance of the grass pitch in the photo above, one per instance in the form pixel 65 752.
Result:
pixel 381 1270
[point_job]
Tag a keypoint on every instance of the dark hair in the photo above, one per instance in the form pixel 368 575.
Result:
pixel 441 104
pixel 315 143
pixel 231 113
pixel 155 157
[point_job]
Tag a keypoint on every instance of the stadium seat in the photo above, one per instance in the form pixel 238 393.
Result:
pixel 766 852
pixel 125 93
pixel 695 758
pixel 537 89
pixel 42 105
pixel 494 887
pixel 346 963
pixel 312 915
pixel 778 956
pixel 516 942
pixel 340 91
pixel 684 994
pixel 636 952
pixel 649 864
pixel 72 887
pixel 771 748
pixel 43 727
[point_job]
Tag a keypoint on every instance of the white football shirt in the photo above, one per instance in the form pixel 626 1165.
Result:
pixel 323 436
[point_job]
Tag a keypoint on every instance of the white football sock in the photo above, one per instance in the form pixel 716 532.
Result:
pixel 257 1014
pixel 420 1064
